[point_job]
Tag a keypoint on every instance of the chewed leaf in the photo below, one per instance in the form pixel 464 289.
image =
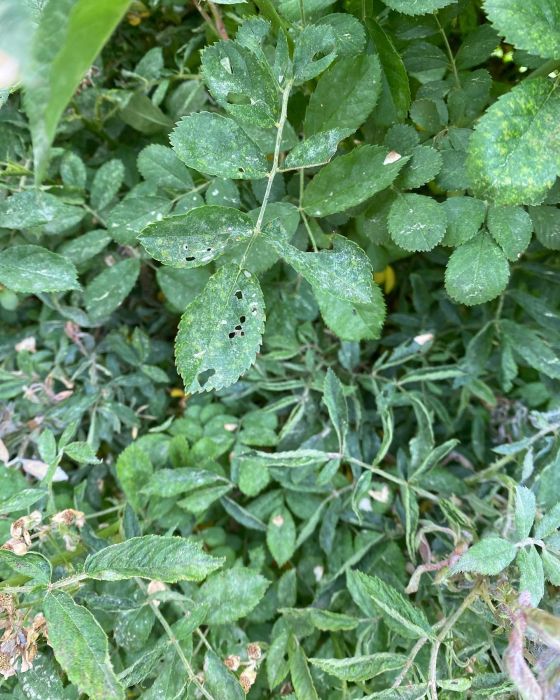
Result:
pixel 197 237
pixel 216 145
pixel 315 50
pixel 240 83
pixel 221 330
pixel 514 151
pixel 315 150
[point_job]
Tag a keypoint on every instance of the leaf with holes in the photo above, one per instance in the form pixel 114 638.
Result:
pixel 197 237
pixel 221 330
pixel 217 145
pixel 315 50
pixel 477 271
pixel 417 222
pixel 514 151
pixel 240 83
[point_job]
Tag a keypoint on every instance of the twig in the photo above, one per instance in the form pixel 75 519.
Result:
pixel 220 26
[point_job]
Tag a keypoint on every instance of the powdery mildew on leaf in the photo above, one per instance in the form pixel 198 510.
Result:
pixel 221 330
pixel 417 7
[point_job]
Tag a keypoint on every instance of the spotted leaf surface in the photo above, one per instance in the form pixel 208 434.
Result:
pixel 197 237
pixel 350 179
pixel 221 330
pixel 417 7
pixel 316 150
pixel 477 271
pixel 532 25
pixel 514 151
pixel 32 269
pixel 217 145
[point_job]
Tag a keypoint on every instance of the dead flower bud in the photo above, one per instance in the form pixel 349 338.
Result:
pixel 247 679
pixel 16 546
pixel 156 587
pixel 232 662
pixel 7 604
pixel 254 651
pixel 69 517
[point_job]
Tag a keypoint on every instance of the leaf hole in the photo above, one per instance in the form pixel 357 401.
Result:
pixel 190 258
pixel 204 376
pixel 242 319
pixel 239 294
pixel 238 328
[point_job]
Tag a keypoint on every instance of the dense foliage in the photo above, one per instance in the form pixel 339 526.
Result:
pixel 279 349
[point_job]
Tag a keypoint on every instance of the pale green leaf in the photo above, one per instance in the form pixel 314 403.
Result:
pixel 551 567
pixel 315 150
pixel 465 216
pixel 397 611
pixel 233 71
pixel 23 499
pixel 32 565
pixel 546 221
pixel 181 286
pixel 34 208
pixel 417 7
pixel 231 594
pixel 335 401
pixel 106 183
pixel 352 320
pixel 219 681
pixel 530 346
pixel 349 180
pixel 549 523
pixel 345 95
pixel 281 536
pixel 160 165
pixel 530 25
pixel 31 269
pixel 81 647
pixel 299 671
pixel 349 32
pixel 477 271
pixel 525 511
pixel 133 213
pixel 357 669
pixel 490 556
pixel 168 483
pixel 70 35
pixel 216 145
pixel 220 332
pixel 197 237
pixel 315 50
pixel 514 151
pixel 170 681
pixel 133 467
pixel 425 163
pixel 42 681
pixel 531 573
pixel 158 557
pixel 511 228
pixel 109 289
pixel 417 222
pixel 324 620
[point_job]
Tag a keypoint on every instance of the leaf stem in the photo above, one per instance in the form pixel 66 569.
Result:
pixel 546 69
pixel 449 52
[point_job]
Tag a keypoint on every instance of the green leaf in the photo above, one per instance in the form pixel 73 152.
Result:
pixel 416 222
pixel 34 208
pixel 299 671
pixel 396 88
pixel 47 446
pixel 417 7
pixel 42 680
pixel 144 116
pixel 546 221
pixel 220 331
pixel 549 523
pixel 106 183
pixel 531 573
pixel 352 321
pixel 169 483
pixel 424 165
pixel 511 228
pixel 133 467
pixel 180 287
pixel 397 611
pixel 281 536
pixel 525 511
pixel 220 682
pixel 490 556
pixel 109 289
pixel 532 26
pixel 160 165
pixel 324 620
pixel 33 565
pixel 551 567
pixel 133 213
pixel 31 269
pixel 240 83
pixel 70 35
pixel 349 180
pixel 316 150
pixel 158 557
pixel 23 499
pixel 513 153
pixel 170 682
pixel 360 668
pixel 348 31
pixel 345 95
pixel 216 145
pixel 231 594
pixel 465 216
pixel 534 350
pixel 315 50
pixel 477 271
pixel 197 237
pixel 81 647
pixel 335 401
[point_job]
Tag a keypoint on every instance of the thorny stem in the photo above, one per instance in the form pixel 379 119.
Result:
pixel 222 31
pixel 449 52
pixel 173 639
